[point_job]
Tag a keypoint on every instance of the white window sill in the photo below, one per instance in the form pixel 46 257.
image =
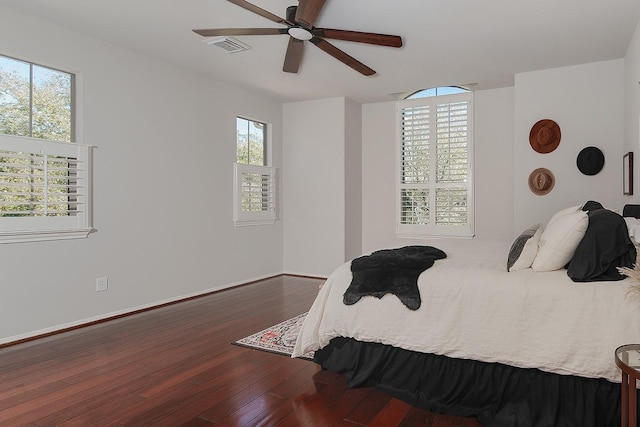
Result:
pixel 257 222
pixel 43 235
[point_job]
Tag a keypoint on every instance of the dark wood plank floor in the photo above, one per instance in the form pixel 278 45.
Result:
pixel 175 366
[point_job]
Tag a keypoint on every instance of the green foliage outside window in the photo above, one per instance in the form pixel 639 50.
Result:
pixel 36 102
pixel 434 159
pixel 250 142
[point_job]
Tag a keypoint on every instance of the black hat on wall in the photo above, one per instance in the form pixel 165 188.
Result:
pixel 590 160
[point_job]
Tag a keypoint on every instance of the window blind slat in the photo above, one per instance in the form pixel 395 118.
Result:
pixel 255 194
pixel 37 181
pixel 415 144
pixel 452 154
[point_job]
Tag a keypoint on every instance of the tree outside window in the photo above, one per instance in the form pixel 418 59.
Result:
pixel 435 141
pixel 36 102
pixel 255 182
pixel 250 141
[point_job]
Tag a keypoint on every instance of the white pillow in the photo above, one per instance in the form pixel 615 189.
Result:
pixel 524 249
pixel 633 227
pixel 565 211
pixel 560 239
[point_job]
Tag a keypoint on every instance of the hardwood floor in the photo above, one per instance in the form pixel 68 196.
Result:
pixel 175 366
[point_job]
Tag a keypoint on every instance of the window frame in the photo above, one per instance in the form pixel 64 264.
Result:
pixel 19 229
pixel 73 97
pixel 265 142
pixel 432 229
pixel 15 229
pixel 242 183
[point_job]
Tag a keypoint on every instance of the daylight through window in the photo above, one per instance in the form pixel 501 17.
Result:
pixel 255 184
pixel 35 101
pixel 250 141
pixel 435 139
pixel 44 178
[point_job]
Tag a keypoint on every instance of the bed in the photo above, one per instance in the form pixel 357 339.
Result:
pixel 512 342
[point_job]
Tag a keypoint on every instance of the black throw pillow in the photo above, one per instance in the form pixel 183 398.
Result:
pixel 592 206
pixel 605 246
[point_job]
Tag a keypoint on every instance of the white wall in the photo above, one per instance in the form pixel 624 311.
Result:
pixel 378 176
pixel 632 110
pixel 353 180
pixel 314 186
pixel 163 188
pixel 493 170
pixel 585 100
pixel 587 103
pixel 493 162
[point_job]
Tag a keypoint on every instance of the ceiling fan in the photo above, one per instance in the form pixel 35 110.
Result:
pixel 300 22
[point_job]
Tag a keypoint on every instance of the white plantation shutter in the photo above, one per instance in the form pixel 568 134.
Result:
pixel 45 189
pixel 254 194
pixel 452 142
pixel 415 145
pixel 414 207
pixel 435 179
pixel 415 164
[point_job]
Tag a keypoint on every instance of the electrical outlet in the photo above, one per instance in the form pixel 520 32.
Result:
pixel 102 284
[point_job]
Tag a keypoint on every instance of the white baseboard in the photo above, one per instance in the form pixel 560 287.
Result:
pixel 315 276
pixel 104 317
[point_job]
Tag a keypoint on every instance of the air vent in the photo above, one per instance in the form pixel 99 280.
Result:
pixel 229 44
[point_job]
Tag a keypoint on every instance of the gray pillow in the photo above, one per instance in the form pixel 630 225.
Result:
pixel 524 249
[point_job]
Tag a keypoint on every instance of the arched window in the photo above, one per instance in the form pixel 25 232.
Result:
pixel 436 91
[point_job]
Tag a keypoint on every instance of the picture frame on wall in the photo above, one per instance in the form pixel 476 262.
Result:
pixel 627 174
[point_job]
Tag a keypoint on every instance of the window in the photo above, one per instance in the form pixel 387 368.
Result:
pixel 35 101
pixel 250 141
pixel 435 147
pixel 44 178
pixel 255 183
pixel 436 91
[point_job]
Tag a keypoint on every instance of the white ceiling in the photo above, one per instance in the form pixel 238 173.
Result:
pixel 446 42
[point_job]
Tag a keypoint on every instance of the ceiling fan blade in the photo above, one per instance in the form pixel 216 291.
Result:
pixel 294 55
pixel 214 32
pixel 308 11
pixel 255 9
pixel 342 56
pixel 358 36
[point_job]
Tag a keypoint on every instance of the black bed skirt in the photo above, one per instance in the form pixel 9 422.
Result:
pixel 497 395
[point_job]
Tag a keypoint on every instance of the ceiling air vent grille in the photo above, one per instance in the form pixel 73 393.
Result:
pixel 229 44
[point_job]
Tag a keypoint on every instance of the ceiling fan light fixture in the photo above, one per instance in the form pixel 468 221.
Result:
pixel 300 33
pixel 228 44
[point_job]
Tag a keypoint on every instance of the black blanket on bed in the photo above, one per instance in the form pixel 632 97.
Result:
pixel 605 246
pixel 393 271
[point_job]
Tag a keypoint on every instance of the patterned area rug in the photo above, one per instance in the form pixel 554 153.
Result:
pixel 280 338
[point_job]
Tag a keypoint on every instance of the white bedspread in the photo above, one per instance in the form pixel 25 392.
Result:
pixel 473 308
